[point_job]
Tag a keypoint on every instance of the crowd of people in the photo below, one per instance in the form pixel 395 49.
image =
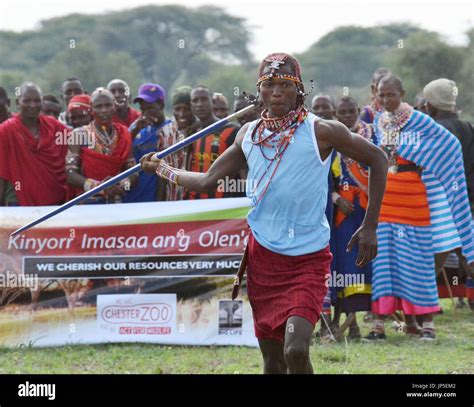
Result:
pixel 48 155
pixel 100 135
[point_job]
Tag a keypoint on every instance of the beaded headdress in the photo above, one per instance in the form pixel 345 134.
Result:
pixel 273 61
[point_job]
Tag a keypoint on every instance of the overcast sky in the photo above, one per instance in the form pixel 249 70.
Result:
pixel 290 26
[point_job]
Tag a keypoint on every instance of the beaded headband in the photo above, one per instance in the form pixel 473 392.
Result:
pixel 274 62
pixel 277 59
pixel 279 76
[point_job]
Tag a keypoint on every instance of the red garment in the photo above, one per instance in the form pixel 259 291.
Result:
pixel 457 284
pixel 470 294
pixel 456 290
pixel 282 286
pixel 98 166
pixel 132 115
pixel 35 167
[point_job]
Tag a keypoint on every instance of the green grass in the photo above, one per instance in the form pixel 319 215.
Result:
pixel 453 352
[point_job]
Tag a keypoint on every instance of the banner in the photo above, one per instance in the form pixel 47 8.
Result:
pixel 159 272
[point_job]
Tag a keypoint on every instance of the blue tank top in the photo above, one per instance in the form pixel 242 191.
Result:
pixel 290 218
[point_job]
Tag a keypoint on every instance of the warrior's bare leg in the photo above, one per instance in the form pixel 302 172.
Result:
pixel 273 359
pixel 297 340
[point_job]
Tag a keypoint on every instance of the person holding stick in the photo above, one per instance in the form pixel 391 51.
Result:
pixel 288 153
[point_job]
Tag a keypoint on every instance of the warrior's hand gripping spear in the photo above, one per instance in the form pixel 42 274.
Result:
pixel 135 169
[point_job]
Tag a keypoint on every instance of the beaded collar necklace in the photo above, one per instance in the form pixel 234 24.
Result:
pixel 105 140
pixel 282 131
pixel 396 120
pixel 391 124
pixel 375 107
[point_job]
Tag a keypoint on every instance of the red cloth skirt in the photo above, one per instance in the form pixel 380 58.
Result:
pixel 280 287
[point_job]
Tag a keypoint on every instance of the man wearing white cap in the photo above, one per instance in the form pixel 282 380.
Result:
pixel 441 97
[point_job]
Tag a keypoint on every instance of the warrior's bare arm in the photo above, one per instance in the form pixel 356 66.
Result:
pixel 227 165
pixel 331 134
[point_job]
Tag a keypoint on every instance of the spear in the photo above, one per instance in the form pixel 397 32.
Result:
pixel 135 169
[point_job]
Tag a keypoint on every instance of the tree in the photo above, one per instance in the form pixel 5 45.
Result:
pixel 163 42
pixel 347 56
pixel 11 81
pixel 231 81
pixel 466 79
pixel 423 58
pixel 94 69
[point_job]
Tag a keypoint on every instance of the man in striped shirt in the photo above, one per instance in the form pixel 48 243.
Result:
pixel 208 149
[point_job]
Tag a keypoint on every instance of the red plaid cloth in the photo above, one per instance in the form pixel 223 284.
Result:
pixel 282 286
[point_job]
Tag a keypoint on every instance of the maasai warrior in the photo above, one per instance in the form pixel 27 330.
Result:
pixel 243 101
pixel 220 105
pixel 323 105
pixel 70 88
pixel 209 148
pixel 440 96
pixel 124 114
pixel 156 133
pixel 421 214
pixel 99 151
pixel 287 152
pixel 79 111
pixel 51 106
pixel 350 198
pixel 32 151
pixel 371 110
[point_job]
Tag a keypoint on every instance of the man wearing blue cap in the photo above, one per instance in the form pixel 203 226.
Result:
pixel 152 131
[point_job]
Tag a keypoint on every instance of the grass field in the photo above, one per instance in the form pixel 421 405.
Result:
pixel 453 352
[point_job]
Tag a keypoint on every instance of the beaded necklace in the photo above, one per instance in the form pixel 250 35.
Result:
pixel 391 124
pixel 374 108
pixel 396 120
pixel 282 132
pixel 105 142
